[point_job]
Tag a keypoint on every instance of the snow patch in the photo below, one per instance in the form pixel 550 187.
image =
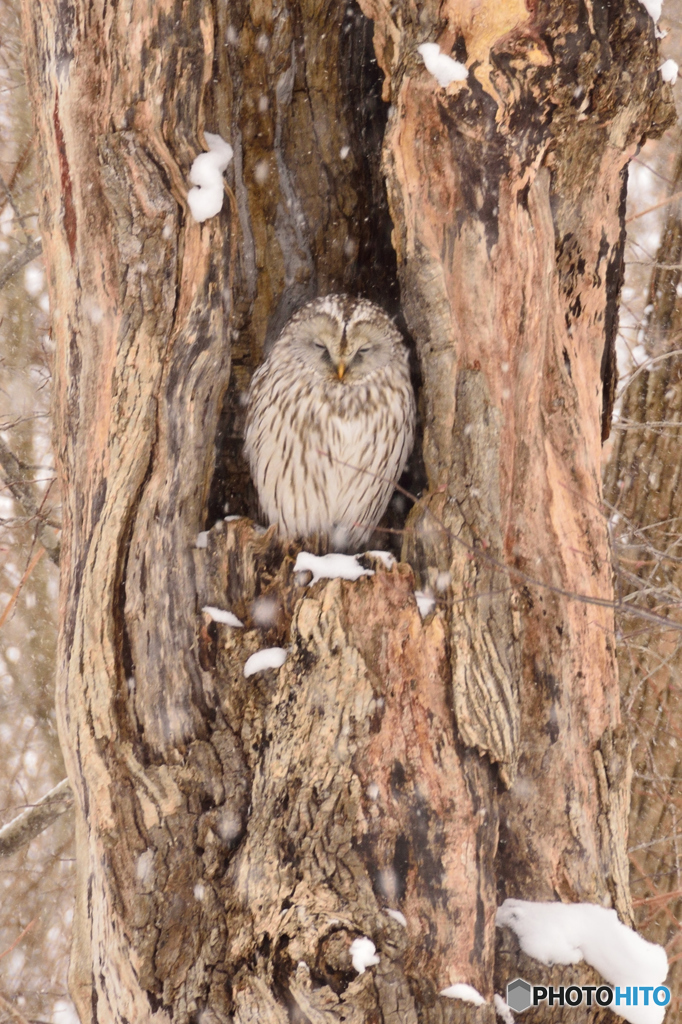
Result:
pixel 330 567
pixel 465 992
pixel 202 539
pixel 269 657
pixel 397 916
pixel 363 954
pixel 566 933
pixel 503 1010
pixel 443 68
pixel 426 602
pixel 206 200
pixel 220 615
pixel 669 71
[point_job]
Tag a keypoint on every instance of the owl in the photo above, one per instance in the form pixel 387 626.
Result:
pixel 330 421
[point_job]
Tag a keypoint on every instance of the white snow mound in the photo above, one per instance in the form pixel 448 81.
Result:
pixel 426 602
pixel 206 200
pixel 220 615
pixel 269 657
pixel 465 992
pixel 566 933
pixel 363 953
pixel 443 68
pixel 330 567
pixel 669 70
pixel 503 1010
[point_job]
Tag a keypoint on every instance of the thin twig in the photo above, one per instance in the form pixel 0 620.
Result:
pixel 13 599
pixel 13 266
pixel 34 820
pixel 22 492
pixel 15 209
pixel 646 365
pixel 18 938
pixel 656 206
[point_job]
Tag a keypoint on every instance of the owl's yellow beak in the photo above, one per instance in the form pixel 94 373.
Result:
pixel 341 369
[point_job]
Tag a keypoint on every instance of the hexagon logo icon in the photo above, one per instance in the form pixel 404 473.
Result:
pixel 518 995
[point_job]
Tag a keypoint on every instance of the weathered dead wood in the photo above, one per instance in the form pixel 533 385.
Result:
pixel 361 798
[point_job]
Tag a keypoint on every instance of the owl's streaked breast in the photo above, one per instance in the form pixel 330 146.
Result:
pixel 324 454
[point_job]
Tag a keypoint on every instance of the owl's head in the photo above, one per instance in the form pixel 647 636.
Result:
pixel 340 339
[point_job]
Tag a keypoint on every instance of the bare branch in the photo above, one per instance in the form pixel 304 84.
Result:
pixel 19 261
pixel 15 209
pixel 22 492
pixel 34 820
pixel 13 599
pixel 18 939
pixel 656 206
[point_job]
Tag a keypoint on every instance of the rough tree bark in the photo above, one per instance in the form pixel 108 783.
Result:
pixel 643 486
pixel 235 836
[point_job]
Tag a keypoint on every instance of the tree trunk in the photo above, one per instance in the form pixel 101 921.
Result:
pixel 644 491
pixel 235 836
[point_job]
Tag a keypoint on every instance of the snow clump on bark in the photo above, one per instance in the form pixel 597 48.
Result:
pixel 220 615
pixel 443 68
pixel 467 993
pixel 363 953
pixel 566 933
pixel 669 71
pixel 270 657
pixel 206 200
pixel 330 567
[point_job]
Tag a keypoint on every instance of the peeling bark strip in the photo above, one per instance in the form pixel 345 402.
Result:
pixel 235 836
